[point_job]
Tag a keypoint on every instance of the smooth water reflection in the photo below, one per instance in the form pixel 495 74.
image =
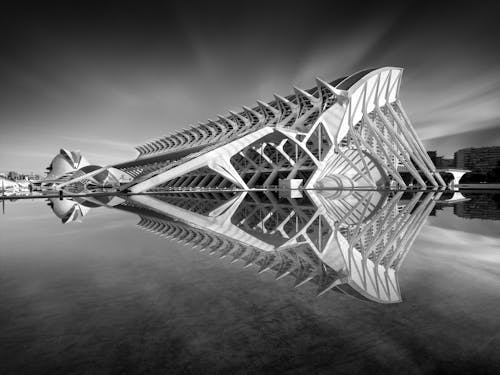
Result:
pixel 348 241
pixel 98 296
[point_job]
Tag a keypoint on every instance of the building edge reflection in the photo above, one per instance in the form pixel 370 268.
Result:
pixel 347 241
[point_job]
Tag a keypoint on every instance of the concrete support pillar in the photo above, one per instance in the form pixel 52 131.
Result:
pixel 456 178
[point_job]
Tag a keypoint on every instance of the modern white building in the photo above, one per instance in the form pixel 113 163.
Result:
pixel 349 133
pixel 64 164
pixel 70 168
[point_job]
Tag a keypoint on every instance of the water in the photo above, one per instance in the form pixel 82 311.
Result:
pixel 206 283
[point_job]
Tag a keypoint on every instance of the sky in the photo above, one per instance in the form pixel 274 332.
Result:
pixel 104 77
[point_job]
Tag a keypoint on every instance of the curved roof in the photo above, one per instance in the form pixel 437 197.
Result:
pixel 59 166
pixel 67 210
pixel 65 161
pixel 352 79
pixel 335 82
pixel 73 157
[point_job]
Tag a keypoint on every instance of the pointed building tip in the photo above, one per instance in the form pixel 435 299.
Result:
pixel 240 116
pixel 333 89
pixel 328 287
pixel 279 277
pixel 267 106
pixel 323 291
pixel 284 100
pixel 322 82
pixel 303 282
pixel 299 91
pixel 253 112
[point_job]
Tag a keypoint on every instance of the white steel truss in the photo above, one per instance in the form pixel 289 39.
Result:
pixel 349 241
pixel 352 134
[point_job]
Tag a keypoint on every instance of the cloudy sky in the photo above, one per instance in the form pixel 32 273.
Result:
pixel 107 76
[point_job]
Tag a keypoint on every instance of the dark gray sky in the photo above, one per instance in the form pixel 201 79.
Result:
pixel 107 76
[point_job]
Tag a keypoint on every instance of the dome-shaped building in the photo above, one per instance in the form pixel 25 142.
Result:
pixel 71 169
pixel 68 210
pixel 64 163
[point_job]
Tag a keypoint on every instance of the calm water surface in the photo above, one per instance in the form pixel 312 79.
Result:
pixel 101 294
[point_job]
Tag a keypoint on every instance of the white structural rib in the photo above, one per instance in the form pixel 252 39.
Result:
pixel 217 159
pixel 219 224
pixel 353 135
pixel 361 237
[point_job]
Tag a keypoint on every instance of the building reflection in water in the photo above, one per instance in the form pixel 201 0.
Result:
pixel 352 242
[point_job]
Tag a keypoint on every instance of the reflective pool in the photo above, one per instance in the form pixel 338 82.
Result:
pixel 234 282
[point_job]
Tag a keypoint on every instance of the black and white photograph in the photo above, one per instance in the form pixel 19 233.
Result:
pixel 249 187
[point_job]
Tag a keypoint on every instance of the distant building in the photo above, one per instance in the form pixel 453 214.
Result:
pixel 32 177
pixel 433 156
pixel 441 162
pixel 484 206
pixel 8 185
pixel 478 160
pixel 12 175
pixel 18 176
pixel 444 163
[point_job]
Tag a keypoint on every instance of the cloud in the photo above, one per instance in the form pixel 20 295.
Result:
pixel 455 107
pixel 119 145
pixel 475 255
pixel 25 153
pixel 448 144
